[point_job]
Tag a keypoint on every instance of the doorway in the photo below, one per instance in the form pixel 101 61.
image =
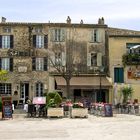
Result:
pixel 24 92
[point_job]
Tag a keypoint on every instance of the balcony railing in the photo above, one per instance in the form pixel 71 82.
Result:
pixel 131 59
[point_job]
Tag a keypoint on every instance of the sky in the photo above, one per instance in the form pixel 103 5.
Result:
pixel 117 13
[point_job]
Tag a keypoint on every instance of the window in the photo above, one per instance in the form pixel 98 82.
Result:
pixel 119 75
pixel 7 30
pixel 39 89
pixel 5 88
pixel 93 59
pixel 58 35
pixel 40 64
pixel 94 35
pixel 40 41
pixel 58 58
pixel 6 41
pixel 6 64
pixel 38 30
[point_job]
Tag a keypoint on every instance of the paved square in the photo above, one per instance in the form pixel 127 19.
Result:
pixel 119 127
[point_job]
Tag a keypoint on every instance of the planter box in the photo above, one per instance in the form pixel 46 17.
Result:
pixel 79 112
pixel 55 112
pixel 0 115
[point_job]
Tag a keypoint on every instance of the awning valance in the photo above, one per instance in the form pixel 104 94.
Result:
pixel 84 81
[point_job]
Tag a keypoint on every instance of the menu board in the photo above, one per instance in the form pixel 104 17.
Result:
pixel 6 107
pixel 108 110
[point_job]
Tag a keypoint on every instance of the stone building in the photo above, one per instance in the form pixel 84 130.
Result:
pixel 124 61
pixel 24 52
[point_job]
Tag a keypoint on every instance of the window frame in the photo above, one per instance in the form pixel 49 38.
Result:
pixel 5 88
pixel 39 87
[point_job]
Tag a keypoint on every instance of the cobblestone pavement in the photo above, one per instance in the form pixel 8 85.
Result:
pixel 119 127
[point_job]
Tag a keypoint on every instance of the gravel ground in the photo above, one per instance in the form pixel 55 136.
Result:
pixel 119 127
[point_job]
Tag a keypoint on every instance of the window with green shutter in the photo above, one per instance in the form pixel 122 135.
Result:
pixel 118 75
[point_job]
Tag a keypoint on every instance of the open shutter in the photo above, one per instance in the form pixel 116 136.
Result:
pixel 11 41
pixel 99 59
pixel 34 41
pixel 45 63
pixel 89 59
pixel 11 64
pixel 33 63
pixel 63 33
pixel 0 63
pixel 0 41
pixel 63 59
pixel 52 33
pixel 46 41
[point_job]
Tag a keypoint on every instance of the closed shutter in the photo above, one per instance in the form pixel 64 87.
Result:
pixel 89 59
pixel 63 59
pixel 92 36
pixel 33 63
pixel 46 41
pixel 34 41
pixel 119 75
pixel 11 41
pixel 0 41
pixel 0 63
pixel 99 59
pixel 11 64
pixel 98 36
pixel 45 63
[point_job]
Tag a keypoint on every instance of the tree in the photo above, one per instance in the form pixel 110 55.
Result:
pixel 66 60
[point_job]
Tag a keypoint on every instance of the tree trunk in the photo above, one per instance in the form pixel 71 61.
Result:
pixel 68 88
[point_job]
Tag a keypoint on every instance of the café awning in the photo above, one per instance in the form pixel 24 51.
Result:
pixel 84 81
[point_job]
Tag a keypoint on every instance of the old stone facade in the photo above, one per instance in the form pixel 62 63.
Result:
pixel 29 50
pixel 123 43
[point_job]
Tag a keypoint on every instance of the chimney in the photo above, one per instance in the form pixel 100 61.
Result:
pixel 68 20
pixel 3 19
pixel 81 22
pixel 101 21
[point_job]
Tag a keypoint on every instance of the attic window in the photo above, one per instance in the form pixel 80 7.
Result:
pixel 7 29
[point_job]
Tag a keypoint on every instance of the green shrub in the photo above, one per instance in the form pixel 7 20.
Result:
pixel 53 99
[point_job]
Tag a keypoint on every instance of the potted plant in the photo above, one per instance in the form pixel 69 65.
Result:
pixel 78 110
pixel 53 105
pixel 126 93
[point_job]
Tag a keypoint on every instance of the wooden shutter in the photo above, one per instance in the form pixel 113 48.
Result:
pixel 34 41
pixel 33 63
pixel 0 63
pixel 0 41
pixel 63 33
pixel 45 63
pixel 63 59
pixel 92 36
pixel 46 41
pixel 52 33
pixel 89 59
pixel 11 41
pixel 121 75
pixel 99 59
pixel 11 64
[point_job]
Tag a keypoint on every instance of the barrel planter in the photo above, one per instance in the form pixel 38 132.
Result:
pixel 55 112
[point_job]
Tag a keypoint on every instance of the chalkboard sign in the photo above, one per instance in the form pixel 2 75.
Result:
pixel 108 110
pixel 6 107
